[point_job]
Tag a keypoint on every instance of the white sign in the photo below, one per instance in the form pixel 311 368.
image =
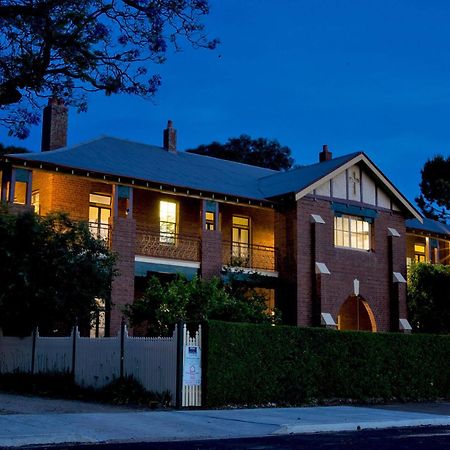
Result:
pixel 192 372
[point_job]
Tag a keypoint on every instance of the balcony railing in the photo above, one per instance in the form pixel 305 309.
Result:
pixel 167 245
pixel 259 257
pixel 100 231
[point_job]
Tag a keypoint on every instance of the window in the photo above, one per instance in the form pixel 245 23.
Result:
pixel 419 252
pixel 167 222
pixel 99 214
pixel 351 232
pixel 35 203
pixel 210 221
pixel 240 237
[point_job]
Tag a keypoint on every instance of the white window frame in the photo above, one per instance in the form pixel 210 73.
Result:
pixel 352 232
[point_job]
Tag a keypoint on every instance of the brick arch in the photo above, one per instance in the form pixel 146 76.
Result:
pixel 356 314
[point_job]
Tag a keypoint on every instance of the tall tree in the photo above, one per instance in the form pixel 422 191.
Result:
pixel 65 48
pixel 51 273
pixel 260 152
pixel 434 200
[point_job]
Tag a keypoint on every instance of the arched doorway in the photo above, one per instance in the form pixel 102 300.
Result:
pixel 355 314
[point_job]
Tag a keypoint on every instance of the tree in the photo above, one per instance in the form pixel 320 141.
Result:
pixel 260 152
pixel 434 200
pixel 11 149
pixel 428 297
pixel 51 274
pixel 163 305
pixel 65 48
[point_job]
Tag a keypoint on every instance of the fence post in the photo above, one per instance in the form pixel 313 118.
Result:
pixel 74 349
pixel 122 347
pixel 33 349
pixel 180 349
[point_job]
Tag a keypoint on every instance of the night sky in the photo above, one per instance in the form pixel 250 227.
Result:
pixel 371 75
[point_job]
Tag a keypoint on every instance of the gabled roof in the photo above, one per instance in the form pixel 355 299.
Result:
pixel 108 155
pixel 295 180
pixel 429 226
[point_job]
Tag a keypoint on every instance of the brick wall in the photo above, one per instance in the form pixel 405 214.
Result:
pixel 370 268
pixel 123 237
pixel 211 253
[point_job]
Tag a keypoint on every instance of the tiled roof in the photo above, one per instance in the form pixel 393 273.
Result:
pixel 119 157
pixel 429 226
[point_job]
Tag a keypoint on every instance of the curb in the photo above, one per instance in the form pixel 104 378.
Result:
pixel 358 426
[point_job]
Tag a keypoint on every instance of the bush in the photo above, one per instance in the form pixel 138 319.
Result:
pixel 259 364
pixel 197 300
pixel 429 297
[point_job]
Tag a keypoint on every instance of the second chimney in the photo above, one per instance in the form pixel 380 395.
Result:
pixel 325 154
pixel 170 138
pixel 54 125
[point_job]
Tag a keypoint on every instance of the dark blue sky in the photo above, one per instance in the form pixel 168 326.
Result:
pixel 355 74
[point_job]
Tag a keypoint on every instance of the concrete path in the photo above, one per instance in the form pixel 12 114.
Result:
pixel 62 424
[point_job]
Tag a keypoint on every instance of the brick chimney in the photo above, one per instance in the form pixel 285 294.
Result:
pixel 325 154
pixel 170 138
pixel 54 125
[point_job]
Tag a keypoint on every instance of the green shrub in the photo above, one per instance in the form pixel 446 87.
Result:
pixel 196 300
pixel 429 297
pixel 260 364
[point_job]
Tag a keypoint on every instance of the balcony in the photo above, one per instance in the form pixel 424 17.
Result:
pixel 257 257
pixel 153 243
pixel 100 231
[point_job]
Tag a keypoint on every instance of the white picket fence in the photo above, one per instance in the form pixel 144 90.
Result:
pixel 98 361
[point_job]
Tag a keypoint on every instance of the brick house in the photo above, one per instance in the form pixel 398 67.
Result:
pixel 329 239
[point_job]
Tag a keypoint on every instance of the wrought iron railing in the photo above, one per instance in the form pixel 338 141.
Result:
pixel 100 231
pixel 167 245
pixel 259 257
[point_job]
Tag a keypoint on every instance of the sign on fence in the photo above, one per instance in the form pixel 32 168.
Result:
pixel 192 375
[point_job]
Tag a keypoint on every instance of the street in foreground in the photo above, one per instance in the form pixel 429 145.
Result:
pixel 390 439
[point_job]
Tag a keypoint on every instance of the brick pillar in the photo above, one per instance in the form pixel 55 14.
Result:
pixel 397 263
pixel 123 243
pixel 211 253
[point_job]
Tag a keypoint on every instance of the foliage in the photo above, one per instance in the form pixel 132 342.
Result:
pixel 260 152
pixel 11 149
pixel 65 48
pixel 434 200
pixel 428 297
pixel 251 364
pixel 52 271
pixel 197 300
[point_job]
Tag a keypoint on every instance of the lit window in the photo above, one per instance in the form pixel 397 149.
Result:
pixel 419 252
pixel 167 222
pixel 20 193
pixel 210 221
pixel 241 237
pixel 99 215
pixel 351 232
pixel 35 202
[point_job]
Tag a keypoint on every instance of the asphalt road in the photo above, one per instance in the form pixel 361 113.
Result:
pixel 398 439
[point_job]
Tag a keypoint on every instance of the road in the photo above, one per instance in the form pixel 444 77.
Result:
pixel 398 439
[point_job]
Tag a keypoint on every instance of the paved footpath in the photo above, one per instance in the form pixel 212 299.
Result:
pixel 31 420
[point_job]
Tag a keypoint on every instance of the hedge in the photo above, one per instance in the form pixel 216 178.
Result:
pixel 258 364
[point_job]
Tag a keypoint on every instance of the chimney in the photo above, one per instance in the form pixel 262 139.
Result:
pixel 54 125
pixel 170 138
pixel 325 155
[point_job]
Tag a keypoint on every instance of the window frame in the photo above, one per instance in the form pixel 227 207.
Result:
pixel 351 232
pixel 165 237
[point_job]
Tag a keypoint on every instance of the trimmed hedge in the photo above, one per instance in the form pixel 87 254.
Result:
pixel 259 364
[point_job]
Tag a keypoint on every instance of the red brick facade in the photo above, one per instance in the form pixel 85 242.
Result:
pixel 373 269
